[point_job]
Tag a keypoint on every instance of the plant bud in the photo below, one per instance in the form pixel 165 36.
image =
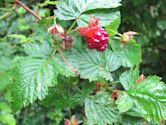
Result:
pixel 125 38
pixel 56 29
pixel 140 78
pixel 60 29
pixel 72 121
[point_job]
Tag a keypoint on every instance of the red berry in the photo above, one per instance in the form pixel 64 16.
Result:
pixel 96 36
pixel 98 40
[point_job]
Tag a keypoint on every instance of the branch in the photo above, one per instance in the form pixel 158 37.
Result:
pixel 28 9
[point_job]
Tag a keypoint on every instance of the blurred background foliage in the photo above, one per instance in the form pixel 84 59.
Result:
pixel 147 17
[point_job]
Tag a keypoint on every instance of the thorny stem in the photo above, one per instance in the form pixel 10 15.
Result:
pixel 28 9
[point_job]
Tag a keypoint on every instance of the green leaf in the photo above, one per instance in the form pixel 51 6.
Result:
pixel 124 102
pixel 94 65
pixel 5 81
pixel 40 50
pixel 81 10
pixel 129 120
pixel 35 73
pixel 130 54
pixel 161 24
pixel 71 96
pixel 72 9
pixel 33 77
pixel 128 78
pixel 150 96
pixel 6 56
pixel 106 17
pixel 112 28
pixel 63 68
pixel 6 117
pixel 22 38
pixel 99 110
pixel 136 112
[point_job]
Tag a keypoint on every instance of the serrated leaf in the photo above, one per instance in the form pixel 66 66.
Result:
pixel 33 77
pixel 99 111
pixel 129 120
pixel 35 73
pixel 63 69
pixel 112 28
pixel 106 17
pixel 94 65
pixel 124 103
pixel 72 9
pixel 77 9
pixel 136 112
pixel 128 78
pixel 39 50
pixel 150 96
pixel 130 54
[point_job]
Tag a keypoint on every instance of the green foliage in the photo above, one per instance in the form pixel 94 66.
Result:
pixel 102 15
pixel 129 54
pixel 34 74
pixel 124 103
pixel 82 10
pixel 128 78
pixel 6 116
pixel 44 81
pixel 98 110
pixel 148 96
pixel 94 65
pixel 112 28
pixel 147 18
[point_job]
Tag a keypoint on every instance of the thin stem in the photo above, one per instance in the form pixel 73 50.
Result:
pixel 6 15
pixel 73 30
pixel 28 9
pixel 70 114
pixel 66 62
pixel 115 82
pixel 116 32
pixel 71 26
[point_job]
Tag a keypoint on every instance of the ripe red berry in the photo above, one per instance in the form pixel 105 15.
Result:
pixel 96 37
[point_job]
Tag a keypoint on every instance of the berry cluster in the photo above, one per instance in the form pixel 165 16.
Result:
pixel 96 36
pixel 98 40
